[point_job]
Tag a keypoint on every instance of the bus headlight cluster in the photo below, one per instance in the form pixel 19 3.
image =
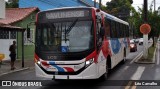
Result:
pixel 89 62
pixel 38 62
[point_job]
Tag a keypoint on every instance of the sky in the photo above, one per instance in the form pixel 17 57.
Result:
pixel 137 3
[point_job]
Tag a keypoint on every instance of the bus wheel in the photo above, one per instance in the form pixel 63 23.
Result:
pixel 105 75
pixel 124 59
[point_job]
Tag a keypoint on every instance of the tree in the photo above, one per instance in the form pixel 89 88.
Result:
pixel 119 8
pixel 12 4
pixel 136 20
pixel 153 21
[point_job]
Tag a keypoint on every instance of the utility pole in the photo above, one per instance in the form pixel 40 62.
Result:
pixel 145 36
pixel 100 1
pixel 145 8
pixel 154 12
pixel 154 5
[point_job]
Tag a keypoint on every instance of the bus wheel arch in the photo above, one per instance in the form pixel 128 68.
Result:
pixel 109 61
pixel 108 66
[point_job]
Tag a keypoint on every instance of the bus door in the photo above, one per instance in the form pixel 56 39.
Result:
pixel 99 32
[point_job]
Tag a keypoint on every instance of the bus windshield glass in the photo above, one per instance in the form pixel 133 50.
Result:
pixel 71 36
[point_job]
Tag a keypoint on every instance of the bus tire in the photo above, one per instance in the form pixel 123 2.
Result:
pixel 105 75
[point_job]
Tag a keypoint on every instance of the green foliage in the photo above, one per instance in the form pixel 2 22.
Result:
pixel 151 52
pixel 104 8
pixel 12 4
pixel 153 20
pixel 119 8
pixel 150 56
pixel 136 21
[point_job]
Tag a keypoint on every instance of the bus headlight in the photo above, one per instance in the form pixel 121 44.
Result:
pixel 89 62
pixel 38 62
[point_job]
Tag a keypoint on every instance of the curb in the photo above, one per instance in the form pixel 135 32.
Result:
pixel 154 57
pixel 18 70
pixel 153 62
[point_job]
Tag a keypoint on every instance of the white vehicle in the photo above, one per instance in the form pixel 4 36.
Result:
pixel 136 40
pixel 132 40
pixel 79 43
pixel 141 41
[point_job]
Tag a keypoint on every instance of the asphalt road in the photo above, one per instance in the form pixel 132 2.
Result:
pixel 128 71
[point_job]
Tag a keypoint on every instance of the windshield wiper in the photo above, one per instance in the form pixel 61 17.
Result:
pixel 71 26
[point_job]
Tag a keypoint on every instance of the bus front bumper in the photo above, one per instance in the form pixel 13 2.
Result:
pixel 89 73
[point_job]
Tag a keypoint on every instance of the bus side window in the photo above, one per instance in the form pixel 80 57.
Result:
pixel 113 30
pixel 127 31
pixel 107 27
pixel 122 30
pixel 124 34
pixel 118 30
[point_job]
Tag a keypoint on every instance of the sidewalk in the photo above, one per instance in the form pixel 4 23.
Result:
pixel 5 67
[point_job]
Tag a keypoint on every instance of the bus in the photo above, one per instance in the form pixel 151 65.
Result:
pixel 79 43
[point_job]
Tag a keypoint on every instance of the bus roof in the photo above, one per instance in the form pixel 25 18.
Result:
pixel 111 17
pixel 62 8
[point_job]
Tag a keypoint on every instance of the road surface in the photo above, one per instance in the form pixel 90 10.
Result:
pixel 128 71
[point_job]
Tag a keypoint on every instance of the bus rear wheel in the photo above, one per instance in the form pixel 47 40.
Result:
pixel 124 56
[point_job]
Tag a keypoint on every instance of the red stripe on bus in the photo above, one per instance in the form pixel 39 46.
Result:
pixel 69 69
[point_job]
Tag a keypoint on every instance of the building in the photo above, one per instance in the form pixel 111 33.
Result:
pixel 7 37
pixel 18 18
pixel 50 4
pixel 2 9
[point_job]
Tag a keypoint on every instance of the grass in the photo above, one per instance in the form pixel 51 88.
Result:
pixel 150 55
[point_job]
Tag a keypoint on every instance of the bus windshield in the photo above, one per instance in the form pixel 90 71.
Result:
pixel 71 36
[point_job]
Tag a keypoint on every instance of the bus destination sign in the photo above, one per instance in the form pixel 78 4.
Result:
pixel 67 14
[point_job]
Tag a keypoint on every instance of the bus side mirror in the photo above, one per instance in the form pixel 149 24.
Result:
pixel 28 32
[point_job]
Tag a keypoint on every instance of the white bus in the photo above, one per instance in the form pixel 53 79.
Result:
pixel 79 43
